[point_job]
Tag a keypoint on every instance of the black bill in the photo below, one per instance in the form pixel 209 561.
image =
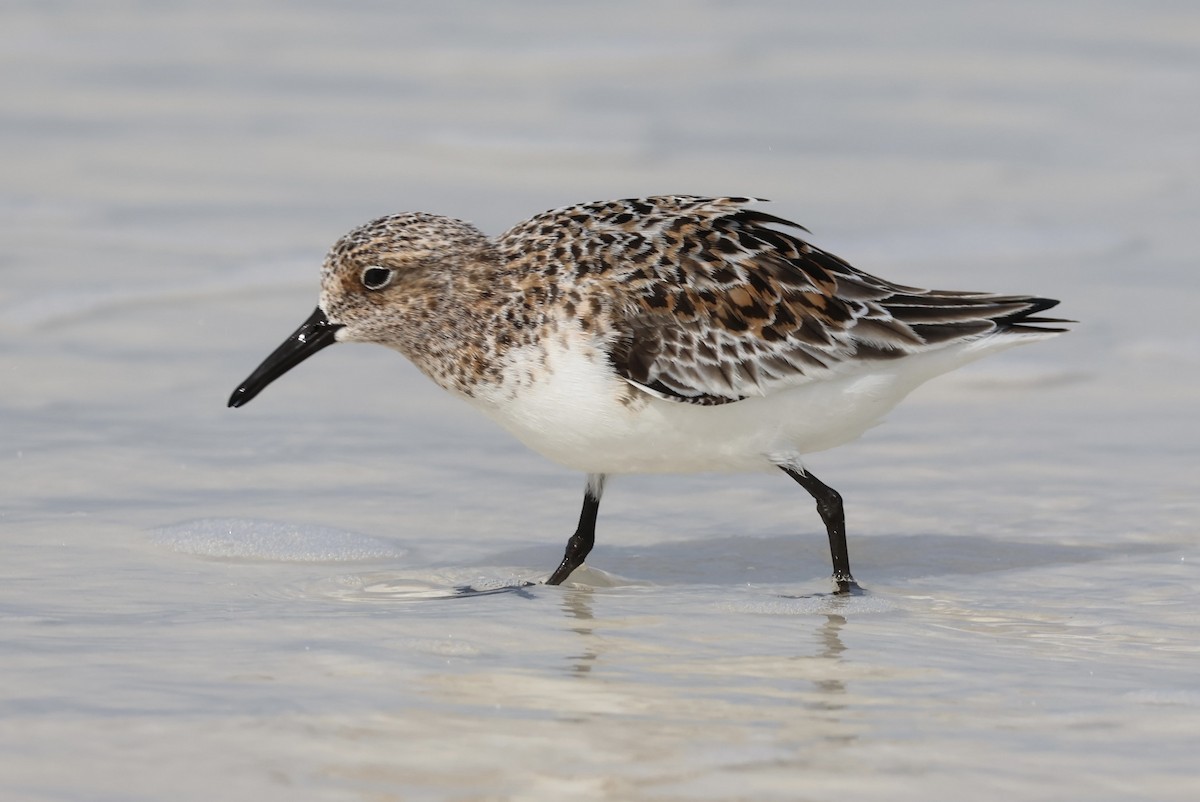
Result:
pixel 313 335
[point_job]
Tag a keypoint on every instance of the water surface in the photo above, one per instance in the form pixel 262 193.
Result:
pixel 201 603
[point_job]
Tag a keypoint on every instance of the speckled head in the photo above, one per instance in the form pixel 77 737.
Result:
pixel 387 282
pixel 380 273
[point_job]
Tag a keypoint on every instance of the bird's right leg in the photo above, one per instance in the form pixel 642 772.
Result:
pixel 585 533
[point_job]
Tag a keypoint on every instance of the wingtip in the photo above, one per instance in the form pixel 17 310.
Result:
pixel 763 218
pixel 1027 320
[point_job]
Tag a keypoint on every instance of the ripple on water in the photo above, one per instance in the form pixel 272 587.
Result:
pixel 403 586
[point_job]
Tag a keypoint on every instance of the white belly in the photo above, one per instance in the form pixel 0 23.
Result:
pixel 574 413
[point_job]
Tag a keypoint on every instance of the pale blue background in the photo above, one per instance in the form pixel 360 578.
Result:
pixel 199 603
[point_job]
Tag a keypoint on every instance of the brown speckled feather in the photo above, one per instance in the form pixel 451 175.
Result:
pixel 708 302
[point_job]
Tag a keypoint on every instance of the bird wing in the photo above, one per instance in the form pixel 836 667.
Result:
pixel 714 303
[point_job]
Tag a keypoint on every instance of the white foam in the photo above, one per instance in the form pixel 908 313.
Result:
pixel 246 538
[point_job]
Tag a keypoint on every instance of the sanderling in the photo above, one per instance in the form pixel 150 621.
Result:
pixel 664 334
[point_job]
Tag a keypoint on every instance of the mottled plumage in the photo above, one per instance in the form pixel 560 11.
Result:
pixel 675 333
pixel 710 302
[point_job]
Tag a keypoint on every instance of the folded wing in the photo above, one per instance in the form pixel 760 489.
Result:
pixel 717 304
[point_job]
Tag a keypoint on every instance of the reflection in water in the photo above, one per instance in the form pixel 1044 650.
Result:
pixel 832 690
pixel 830 635
pixel 822 666
pixel 578 605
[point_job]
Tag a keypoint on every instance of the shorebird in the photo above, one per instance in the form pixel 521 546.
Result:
pixel 664 334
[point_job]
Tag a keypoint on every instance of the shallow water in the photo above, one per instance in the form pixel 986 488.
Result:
pixel 201 603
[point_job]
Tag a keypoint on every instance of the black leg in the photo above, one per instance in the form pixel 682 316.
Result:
pixel 585 533
pixel 829 505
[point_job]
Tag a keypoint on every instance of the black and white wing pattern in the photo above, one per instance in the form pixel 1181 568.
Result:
pixel 713 302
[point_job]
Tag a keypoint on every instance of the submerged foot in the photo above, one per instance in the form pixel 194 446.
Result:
pixel 465 591
pixel 846 586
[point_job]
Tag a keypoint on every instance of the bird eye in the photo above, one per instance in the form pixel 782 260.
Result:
pixel 376 278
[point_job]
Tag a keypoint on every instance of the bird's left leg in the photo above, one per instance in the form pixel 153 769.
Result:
pixel 829 506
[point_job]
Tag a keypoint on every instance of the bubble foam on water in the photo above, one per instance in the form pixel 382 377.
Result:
pixel 251 539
